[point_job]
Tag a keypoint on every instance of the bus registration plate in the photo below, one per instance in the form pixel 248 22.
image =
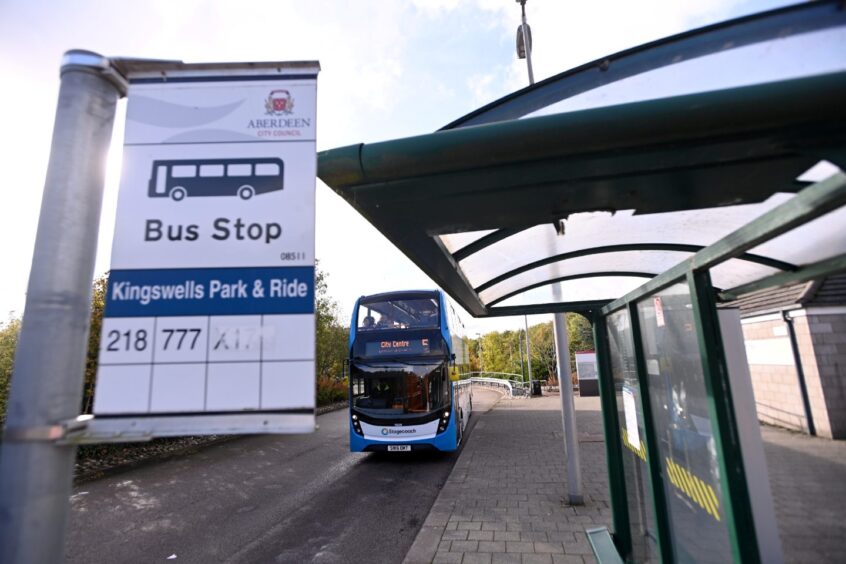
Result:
pixel 399 448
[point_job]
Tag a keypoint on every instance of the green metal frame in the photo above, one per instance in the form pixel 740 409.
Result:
pixel 739 519
pixel 613 447
pixel 653 457
pixel 630 247
pixel 811 203
pixel 598 274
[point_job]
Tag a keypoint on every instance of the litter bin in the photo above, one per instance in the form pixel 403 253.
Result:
pixel 536 387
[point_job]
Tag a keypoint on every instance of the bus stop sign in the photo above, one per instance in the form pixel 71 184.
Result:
pixel 209 319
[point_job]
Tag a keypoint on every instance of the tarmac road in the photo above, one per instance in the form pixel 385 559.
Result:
pixel 297 498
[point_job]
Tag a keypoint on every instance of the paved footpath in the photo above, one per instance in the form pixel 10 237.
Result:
pixel 506 499
pixel 808 481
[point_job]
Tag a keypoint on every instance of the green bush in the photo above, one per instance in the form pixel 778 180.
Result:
pixel 8 340
pixel 331 390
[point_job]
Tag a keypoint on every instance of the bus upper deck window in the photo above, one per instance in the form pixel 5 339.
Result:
pixel 211 170
pixel 267 169
pixel 239 170
pixel 183 171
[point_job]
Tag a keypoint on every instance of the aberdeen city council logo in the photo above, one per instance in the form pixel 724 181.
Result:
pixel 279 102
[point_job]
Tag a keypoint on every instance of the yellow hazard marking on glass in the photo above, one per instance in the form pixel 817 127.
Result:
pixel 639 452
pixel 701 493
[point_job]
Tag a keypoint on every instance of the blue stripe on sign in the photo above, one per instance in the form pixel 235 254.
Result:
pixel 210 291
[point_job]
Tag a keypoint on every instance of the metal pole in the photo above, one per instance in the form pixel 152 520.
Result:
pixel 613 446
pixel 35 472
pixel 528 352
pixel 568 410
pixel 520 348
pixel 526 43
pixel 800 372
pixel 481 361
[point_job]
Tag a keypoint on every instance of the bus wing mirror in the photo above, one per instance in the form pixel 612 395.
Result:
pixel 452 357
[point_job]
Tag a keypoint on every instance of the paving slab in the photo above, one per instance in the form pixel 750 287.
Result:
pixel 506 498
pixel 808 481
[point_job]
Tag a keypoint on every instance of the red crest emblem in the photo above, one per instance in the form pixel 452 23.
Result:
pixel 279 102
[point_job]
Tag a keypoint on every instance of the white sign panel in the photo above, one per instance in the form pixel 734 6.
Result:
pixel 209 320
pixel 586 366
pixel 630 409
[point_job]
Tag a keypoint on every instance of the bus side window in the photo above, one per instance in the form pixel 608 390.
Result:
pixel 183 171
pixel 211 170
pixel 239 170
pixel 267 169
pixel 161 179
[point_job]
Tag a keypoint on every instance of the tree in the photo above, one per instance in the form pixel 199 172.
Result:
pixel 501 351
pixel 331 335
pixel 8 341
pixel 544 363
pixel 98 304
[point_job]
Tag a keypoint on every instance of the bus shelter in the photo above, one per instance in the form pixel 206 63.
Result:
pixel 645 190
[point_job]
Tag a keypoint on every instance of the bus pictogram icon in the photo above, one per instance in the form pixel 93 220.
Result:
pixel 245 178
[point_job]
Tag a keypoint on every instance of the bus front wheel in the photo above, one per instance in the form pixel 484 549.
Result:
pixel 178 193
pixel 246 192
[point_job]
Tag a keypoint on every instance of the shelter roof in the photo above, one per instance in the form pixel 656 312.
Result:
pixel 574 191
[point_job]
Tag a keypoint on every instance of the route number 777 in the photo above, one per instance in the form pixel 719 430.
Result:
pixel 181 335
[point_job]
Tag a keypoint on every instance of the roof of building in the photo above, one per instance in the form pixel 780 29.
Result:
pixel 830 291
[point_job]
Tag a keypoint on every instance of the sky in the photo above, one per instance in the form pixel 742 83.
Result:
pixel 390 69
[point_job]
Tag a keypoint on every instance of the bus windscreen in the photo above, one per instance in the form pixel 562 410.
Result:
pixel 399 313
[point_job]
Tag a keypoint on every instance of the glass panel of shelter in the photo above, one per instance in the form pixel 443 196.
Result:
pixel 632 433
pixel 684 430
pixel 681 434
pixel 782 58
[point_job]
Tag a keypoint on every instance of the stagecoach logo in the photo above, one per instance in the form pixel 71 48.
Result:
pixel 279 103
pixel 387 431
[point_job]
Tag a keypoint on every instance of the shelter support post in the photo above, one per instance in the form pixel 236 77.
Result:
pixel 613 446
pixel 35 472
pixel 568 411
pixel 739 519
pixel 528 351
pixel 653 456
pixel 749 431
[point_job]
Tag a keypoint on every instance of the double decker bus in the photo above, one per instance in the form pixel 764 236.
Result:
pixel 405 352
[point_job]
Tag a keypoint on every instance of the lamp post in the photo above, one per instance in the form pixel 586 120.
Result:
pixel 524 42
pixel 481 361
pixel 528 351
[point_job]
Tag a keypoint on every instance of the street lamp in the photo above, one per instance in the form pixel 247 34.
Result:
pixel 524 42
pixel 481 362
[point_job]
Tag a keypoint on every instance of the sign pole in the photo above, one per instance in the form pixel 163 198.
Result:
pixel 35 473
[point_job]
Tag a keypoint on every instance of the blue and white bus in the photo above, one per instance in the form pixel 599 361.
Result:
pixel 405 352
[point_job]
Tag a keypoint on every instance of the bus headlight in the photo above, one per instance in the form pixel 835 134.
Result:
pixel 355 417
pixel 446 414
